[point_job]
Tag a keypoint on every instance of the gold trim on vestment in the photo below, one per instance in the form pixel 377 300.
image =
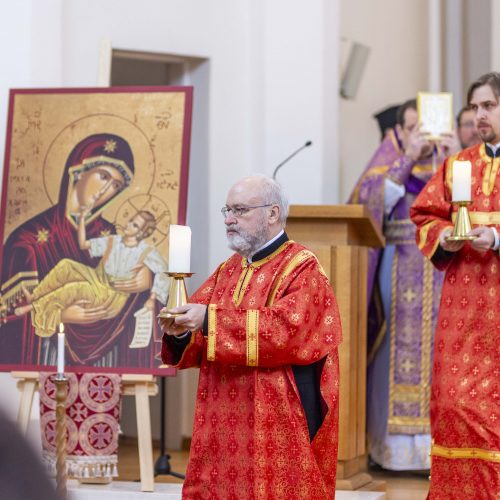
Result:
pixel 392 354
pixel 424 231
pixel 212 326
pixel 252 337
pixel 406 396
pixel 394 140
pixel 382 169
pixel 442 451
pixel 271 256
pixel 481 218
pixel 241 286
pixel 482 152
pixel 490 174
pixel 248 271
pixel 368 173
pixel 296 260
pixel 409 425
pixel 412 393
pixel 425 366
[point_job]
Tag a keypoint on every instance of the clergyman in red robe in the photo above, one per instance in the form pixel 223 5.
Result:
pixel 264 330
pixel 465 395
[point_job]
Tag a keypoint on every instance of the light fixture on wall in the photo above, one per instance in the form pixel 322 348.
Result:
pixel 353 72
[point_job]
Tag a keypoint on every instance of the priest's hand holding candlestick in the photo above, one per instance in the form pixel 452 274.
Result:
pixel 453 239
pixel 485 238
pixel 191 318
pixel 482 238
pixel 447 244
pixel 179 259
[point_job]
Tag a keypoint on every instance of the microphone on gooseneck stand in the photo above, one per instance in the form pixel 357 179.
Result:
pixel 306 145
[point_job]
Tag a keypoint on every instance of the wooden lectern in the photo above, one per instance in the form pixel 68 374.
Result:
pixel 340 235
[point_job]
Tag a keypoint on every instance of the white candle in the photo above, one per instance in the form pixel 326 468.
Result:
pixel 461 187
pixel 60 349
pixel 179 249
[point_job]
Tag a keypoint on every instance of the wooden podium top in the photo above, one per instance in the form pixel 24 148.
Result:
pixel 334 225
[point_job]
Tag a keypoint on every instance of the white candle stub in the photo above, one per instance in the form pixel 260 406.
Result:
pixel 60 349
pixel 461 187
pixel 179 249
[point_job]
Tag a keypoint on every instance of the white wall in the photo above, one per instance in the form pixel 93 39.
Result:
pixel 478 47
pixel 495 35
pixel 397 68
pixel 30 47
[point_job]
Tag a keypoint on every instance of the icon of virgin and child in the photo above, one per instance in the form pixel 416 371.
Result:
pixel 68 265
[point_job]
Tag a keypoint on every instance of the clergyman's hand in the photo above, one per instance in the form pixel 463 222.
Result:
pixel 418 141
pixel 450 143
pixel 139 283
pixel 191 318
pixel 485 238
pixel 449 246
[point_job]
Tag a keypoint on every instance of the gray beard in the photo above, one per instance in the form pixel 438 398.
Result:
pixel 247 244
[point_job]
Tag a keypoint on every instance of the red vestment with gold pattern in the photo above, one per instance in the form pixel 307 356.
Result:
pixel 465 397
pixel 250 437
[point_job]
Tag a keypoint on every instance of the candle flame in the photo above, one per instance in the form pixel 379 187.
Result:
pixel 61 328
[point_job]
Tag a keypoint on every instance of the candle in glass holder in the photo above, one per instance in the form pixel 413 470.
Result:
pixel 461 187
pixel 60 349
pixel 179 249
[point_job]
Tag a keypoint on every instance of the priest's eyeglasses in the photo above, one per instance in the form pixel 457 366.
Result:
pixel 239 211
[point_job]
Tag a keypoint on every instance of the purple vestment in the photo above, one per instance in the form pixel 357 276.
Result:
pixel 403 303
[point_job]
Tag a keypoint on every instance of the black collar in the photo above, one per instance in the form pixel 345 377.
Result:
pixel 262 254
pixel 490 152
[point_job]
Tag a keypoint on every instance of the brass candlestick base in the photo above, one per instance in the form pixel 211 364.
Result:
pixel 462 223
pixel 177 295
pixel 61 383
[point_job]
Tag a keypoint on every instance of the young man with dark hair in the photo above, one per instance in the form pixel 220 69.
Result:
pixel 465 415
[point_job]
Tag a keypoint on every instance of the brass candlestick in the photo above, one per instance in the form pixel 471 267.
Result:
pixel 462 223
pixel 177 295
pixel 61 383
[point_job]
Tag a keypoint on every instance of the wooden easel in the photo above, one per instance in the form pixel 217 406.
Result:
pixel 140 386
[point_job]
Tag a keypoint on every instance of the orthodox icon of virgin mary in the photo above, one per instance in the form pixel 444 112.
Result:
pixel 92 181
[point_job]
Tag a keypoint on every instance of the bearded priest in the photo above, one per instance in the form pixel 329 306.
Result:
pixel 264 330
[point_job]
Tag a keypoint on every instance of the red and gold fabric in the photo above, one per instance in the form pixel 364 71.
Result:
pixel 250 437
pixel 465 396
pixel 93 405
